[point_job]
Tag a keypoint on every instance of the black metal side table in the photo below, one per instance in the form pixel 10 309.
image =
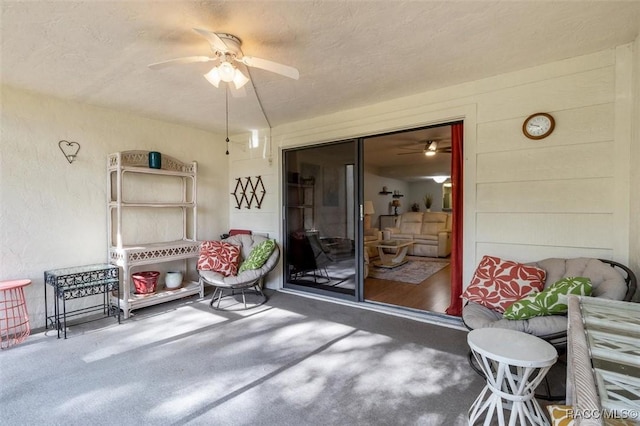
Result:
pixel 77 282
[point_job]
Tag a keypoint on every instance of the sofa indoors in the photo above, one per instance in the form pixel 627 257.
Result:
pixel 430 232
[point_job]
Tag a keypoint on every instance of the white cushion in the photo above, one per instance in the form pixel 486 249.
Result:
pixel 475 316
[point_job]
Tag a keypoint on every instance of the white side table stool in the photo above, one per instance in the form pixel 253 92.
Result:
pixel 514 364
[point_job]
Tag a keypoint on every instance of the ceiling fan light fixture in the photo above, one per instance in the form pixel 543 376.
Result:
pixel 430 148
pixel 226 50
pixel 440 179
pixel 240 79
pixel 213 77
pixel 221 73
pixel 227 72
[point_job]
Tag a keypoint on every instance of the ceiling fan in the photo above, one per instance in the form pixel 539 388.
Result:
pixel 431 148
pixel 226 53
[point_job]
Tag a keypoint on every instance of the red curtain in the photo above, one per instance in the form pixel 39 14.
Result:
pixel 457 160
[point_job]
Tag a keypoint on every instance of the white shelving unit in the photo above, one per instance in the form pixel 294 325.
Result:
pixel 132 167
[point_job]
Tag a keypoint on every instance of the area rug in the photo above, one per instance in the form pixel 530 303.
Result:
pixel 413 272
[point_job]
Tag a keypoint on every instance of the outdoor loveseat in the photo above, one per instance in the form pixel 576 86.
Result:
pixel 606 279
pixel 609 279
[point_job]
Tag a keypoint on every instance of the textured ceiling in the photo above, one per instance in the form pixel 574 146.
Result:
pixel 349 53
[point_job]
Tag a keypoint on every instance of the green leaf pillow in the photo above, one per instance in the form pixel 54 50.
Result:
pixel 551 301
pixel 258 256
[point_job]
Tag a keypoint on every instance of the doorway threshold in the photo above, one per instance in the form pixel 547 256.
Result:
pixel 434 318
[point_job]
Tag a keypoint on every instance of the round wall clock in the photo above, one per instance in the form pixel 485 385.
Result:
pixel 538 125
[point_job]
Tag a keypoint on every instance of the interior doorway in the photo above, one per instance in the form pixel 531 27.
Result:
pixel 407 191
pixel 320 198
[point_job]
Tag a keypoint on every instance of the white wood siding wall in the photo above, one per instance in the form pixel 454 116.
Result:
pixel 254 162
pixel 564 196
pixel 553 197
pixel 247 161
pixel 634 192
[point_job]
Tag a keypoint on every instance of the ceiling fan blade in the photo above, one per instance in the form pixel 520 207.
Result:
pixel 275 67
pixel 214 40
pixel 410 153
pixel 177 61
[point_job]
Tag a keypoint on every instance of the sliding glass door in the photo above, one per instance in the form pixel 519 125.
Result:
pixel 321 219
pixel 337 195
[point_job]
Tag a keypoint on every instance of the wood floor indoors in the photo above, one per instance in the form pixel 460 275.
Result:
pixel 432 294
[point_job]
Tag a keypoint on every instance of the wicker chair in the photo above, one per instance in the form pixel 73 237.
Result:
pixel 246 280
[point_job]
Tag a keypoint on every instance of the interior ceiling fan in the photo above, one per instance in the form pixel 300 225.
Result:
pixel 226 53
pixel 430 148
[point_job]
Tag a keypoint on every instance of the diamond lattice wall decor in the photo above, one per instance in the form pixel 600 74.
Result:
pixel 248 190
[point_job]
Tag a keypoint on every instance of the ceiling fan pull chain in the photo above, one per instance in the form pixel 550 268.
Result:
pixel 226 102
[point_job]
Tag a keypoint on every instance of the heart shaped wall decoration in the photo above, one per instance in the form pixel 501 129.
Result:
pixel 69 149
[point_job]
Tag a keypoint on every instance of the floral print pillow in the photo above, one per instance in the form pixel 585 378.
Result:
pixel 219 256
pixel 497 283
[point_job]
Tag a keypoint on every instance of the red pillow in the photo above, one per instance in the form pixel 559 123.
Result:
pixel 220 257
pixel 498 283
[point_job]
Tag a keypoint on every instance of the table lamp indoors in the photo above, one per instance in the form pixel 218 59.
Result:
pixel 395 204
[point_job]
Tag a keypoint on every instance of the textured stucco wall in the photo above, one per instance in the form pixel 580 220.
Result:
pixel 52 213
